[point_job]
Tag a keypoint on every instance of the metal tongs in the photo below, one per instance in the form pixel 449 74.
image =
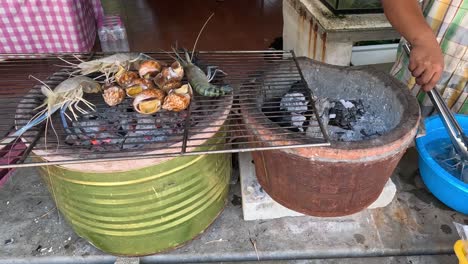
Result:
pixel 458 138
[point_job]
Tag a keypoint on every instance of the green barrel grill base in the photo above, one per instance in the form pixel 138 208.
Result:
pixel 144 211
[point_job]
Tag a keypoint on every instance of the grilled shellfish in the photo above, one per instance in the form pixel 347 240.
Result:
pixel 137 86
pixel 149 69
pixel 113 95
pixel 174 84
pixel 178 99
pixel 125 78
pixel 145 83
pixel 149 101
pixel 170 77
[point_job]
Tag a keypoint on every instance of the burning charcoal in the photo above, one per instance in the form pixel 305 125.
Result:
pixel 369 134
pixel 347 104
pixel 272 111
pixel 137 140
pixel 298 87
pixel 128 124
pixel 145 125
pixel 346 113
pixel 323 108
pixel 340 134
pixel 97 131
pixel 161 127
pixel 294 105
pixel 90 127
pixel 298 120
pixel 74 140
pixel 294 102
pixel 108 138
pixel 295 120
pixel 141 132
pixel 313 130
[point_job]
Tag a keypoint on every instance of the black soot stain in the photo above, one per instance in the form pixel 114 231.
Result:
pixel 446 229
pixel 359 238
pixel 236 200
pixel 426 197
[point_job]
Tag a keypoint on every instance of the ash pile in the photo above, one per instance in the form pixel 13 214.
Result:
pixel 343 119
pixel 349 120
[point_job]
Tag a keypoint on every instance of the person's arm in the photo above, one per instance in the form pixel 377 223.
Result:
pixel 426 59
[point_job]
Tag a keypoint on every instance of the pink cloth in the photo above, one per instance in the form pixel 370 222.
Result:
pixel 98 11
pixel 10 155
pixel 48 26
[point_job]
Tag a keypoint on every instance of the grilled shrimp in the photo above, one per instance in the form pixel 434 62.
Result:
pixel 65 96
pixel 109 65
pixel 199 81
pixel 69 93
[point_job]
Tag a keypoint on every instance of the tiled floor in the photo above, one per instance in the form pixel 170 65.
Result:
pixel 236 25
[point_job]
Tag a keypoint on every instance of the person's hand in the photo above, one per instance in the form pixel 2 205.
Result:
pixel 426 62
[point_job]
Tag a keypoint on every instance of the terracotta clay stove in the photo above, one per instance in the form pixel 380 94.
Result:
pixel 347 176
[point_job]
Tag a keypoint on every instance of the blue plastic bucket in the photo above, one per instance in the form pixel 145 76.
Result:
pixel 447 188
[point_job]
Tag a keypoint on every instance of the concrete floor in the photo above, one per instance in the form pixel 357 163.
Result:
pixel 414 228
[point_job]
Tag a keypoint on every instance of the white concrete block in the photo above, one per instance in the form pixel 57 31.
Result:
pixel 386 197
pixel 256 203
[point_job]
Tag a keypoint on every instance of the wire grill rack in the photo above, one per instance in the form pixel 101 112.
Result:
pixel 209 125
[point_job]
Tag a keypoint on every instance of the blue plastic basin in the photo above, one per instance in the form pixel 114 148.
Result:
pixel 447 188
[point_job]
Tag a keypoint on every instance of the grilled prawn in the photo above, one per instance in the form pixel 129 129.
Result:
pixel 200 81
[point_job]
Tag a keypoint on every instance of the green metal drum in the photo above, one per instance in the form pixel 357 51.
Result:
pixel 142 211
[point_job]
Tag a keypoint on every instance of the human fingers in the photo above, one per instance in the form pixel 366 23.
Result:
pixel 425 77
pixel 418 71
pixel 432 82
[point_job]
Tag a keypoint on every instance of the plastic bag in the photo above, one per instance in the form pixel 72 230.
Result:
pixel 463 232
